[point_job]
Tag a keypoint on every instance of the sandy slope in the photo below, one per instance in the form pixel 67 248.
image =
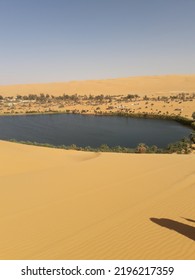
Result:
pixel 163 85
pixel 57 204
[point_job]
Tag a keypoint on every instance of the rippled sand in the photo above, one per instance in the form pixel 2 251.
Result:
pixel 57 204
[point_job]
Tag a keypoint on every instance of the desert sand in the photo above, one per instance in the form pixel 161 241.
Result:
pixel 156 85
pixel 58 204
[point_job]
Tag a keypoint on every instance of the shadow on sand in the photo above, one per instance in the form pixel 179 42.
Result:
pixel 190 220
pixel 183 229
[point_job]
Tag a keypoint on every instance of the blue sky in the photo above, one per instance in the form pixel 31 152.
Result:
pixel 62 40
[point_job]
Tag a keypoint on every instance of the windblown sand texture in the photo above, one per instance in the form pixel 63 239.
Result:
pixel 57 204
pixel 158 85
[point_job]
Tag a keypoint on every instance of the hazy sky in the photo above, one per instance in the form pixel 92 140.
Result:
pixel 62 40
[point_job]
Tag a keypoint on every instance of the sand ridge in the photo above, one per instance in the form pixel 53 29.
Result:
pixel 158 85
pixel 58 204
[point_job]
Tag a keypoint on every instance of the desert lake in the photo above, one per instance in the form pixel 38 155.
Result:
pixel 85 130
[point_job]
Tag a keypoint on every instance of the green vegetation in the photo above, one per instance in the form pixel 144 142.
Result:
pixel 132 96
pixel 192 137
pixel 180 147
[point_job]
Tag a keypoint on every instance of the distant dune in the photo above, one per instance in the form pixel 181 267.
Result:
pixel 57 204
pixel 159 85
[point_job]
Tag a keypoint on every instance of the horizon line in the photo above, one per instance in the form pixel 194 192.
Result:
pixel 100 79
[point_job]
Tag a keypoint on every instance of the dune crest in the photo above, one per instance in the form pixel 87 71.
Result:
pixel 158 85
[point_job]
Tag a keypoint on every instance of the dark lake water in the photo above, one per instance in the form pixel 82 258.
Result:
pixel 82 130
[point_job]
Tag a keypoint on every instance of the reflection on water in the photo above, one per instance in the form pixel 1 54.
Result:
pixel 82 130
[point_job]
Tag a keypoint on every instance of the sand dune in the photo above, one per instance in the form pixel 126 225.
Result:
pixel 57 204
pixel 162 85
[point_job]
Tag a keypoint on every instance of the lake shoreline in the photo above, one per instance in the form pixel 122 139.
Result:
pixel 170 108
pixel 104 148
pixel 183 146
